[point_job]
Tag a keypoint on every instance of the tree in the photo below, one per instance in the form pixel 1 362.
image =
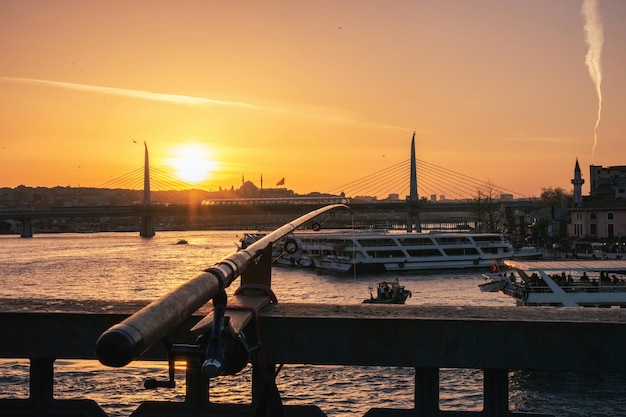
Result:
pixel 488 211
pixel 555 197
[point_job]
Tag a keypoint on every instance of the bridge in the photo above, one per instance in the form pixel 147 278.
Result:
pixel 387 212
pixel 180 326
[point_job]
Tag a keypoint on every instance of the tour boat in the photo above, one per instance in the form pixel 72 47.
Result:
pixel 569 283
pixel 380 250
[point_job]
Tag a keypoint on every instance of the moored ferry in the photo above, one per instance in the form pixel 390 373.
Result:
pixel 380 250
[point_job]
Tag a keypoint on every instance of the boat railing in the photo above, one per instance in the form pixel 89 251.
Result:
pixel 518 289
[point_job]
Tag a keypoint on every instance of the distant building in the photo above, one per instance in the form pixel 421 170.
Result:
pixel 364 199
pixel 600 219
pixel 609 182
pixel 602 214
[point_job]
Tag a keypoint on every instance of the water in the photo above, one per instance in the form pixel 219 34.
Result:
pixel 124 267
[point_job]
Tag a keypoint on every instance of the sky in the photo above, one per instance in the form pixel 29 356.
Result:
pixel 319 93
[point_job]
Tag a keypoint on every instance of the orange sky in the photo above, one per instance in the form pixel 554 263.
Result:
pixel 319 92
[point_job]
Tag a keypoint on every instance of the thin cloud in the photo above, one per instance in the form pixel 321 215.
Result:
pixel 314 113
pixel 138 94
pixel 537 139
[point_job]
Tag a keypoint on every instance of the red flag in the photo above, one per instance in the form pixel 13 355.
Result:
pixel 281 182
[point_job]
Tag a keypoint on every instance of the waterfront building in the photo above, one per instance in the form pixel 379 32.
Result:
pixel 601 215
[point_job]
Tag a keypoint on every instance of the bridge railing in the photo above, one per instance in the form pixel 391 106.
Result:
pixel 496 340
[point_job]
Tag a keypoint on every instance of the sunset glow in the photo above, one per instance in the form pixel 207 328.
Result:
pixel 192 163
pixel 321 93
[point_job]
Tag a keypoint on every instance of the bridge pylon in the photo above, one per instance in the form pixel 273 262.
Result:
pixel 413 218
pixel 147 222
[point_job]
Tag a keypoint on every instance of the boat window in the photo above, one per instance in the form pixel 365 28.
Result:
pixel 453 240
pixel 386 254
pixel 368 243
pixel 487 238
pixel 494 249
pixel 461 251
pixel 424 253
pixel 417 241
pixel 345 242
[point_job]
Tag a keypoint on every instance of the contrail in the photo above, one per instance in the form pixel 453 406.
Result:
pixel 139 94
pixel 594 38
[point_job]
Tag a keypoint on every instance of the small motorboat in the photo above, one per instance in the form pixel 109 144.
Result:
pixel 181 242
pixel 527 252
pixel 388 293
pixel 494 280
pixel 494 283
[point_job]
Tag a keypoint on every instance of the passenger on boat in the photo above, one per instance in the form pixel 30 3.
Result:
pixel 382 289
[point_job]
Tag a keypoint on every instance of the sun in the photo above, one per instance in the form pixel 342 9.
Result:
pixel 192 162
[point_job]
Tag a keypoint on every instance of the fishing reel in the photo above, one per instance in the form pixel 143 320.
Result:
pixel 226 354
pixel 218 352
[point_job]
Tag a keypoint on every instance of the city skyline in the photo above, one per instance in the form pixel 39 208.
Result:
pixel 318 94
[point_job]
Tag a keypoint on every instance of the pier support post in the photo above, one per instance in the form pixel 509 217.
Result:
pixel 147 227
pixel 27 227
pixel 413 221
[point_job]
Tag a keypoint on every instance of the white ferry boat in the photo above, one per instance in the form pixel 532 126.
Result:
pixel 562 283
pixel 381 251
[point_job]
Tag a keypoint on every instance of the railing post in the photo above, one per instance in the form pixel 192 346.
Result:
pixel 41 400
pixel 427 391
pixel 42 382
pixel 496 392
pixel 197 386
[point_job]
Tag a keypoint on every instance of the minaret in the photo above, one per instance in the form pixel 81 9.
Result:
pixel 578 182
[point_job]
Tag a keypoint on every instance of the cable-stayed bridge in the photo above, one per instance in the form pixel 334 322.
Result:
pixel 384 183
pixel 160 180
pixel 432 180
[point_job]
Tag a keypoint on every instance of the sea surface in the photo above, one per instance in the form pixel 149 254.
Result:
pixel 123 266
